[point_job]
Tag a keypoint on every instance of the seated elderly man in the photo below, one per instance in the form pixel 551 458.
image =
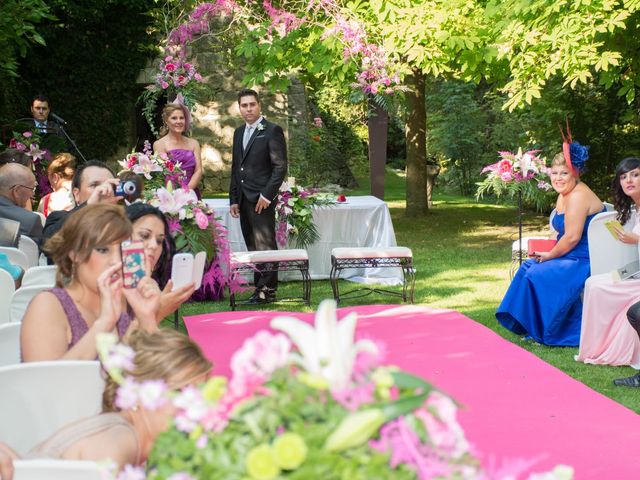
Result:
pixel 17 184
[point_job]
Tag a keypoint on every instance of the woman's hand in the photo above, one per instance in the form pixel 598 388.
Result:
pixel 145 302
pixel 170 300
pixel 627 237
pixel 110 288
pixel 542 256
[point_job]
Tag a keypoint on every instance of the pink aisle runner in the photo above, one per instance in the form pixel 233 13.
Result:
pixel 514 404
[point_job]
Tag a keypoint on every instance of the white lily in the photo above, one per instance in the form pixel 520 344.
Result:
pixel 327 349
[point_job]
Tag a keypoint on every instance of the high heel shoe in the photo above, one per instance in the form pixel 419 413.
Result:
pixel 633 381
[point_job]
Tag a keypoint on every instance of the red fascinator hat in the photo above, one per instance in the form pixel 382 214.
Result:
pixel 575 155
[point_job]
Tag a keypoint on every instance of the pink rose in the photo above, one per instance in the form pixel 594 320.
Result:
pixel 169 67
pixel 27 134
pixel 164 85
pixel 187 66
pixel 504 166
pixel 198 77
pixel 201 219
pixel 506 176
pixel 181 80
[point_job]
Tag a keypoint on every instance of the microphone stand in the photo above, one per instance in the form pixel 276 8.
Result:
pixel 71 142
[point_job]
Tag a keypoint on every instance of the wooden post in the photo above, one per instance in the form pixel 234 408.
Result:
pixel 378 124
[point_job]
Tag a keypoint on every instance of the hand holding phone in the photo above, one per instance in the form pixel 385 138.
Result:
pixel 187 269
pixel 133 263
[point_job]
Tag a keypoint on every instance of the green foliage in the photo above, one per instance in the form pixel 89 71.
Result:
pixel 95 51
pixel 19 24
pixel 579 41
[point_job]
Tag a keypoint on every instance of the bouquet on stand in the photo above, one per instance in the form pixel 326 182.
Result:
pixel 517 174
pixel 313 402
pixel 195 228
pixel 157 170
pixel 30 142
pixel 294 215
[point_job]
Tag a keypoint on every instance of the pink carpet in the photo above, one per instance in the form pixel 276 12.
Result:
pixel 514 404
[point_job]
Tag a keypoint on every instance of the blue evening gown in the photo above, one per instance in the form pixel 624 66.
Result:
pixel 544 299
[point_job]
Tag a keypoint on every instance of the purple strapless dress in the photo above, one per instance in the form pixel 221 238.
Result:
pixel 187 161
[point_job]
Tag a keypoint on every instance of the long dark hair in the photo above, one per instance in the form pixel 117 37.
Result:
pixel 621 201
pixel 162 271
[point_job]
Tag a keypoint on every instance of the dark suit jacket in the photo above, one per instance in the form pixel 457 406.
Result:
pixel 30 222
pixel 261 168
pixel 53 127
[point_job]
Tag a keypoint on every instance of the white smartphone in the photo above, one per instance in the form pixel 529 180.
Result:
pixel 182 270
pixel 198 268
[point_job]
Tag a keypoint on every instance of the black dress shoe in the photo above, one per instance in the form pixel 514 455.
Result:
pixel 633 381
pixel 261 296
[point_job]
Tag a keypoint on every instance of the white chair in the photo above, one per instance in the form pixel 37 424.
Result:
pixel 38 398
pixel 606 253
pixel 49 469
pixel 43 219
pixel 7 287
pixel 17 257
pixel 10 344
pixel 31 250
pixel 21 299
pixel 41 275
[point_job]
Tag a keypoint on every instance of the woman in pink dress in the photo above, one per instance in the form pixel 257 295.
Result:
pixel 606 337
pixel 173 142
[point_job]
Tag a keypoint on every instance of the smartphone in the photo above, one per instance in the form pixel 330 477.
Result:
pixel 182 270
pixel 133 263
pixel 186 268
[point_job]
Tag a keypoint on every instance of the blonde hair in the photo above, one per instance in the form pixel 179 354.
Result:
pixel 168 109
pixel 64 164
pixel 90 227
pixel 559 160
pixel 165 355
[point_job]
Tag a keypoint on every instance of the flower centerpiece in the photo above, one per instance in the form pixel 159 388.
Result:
pixel 310 402
pixel 517 174
pixel 294 215
pixel 157 170
pixel 30 142
pixel 195 228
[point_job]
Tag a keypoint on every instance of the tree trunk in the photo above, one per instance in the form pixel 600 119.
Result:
pixel 416 145
pixel 378 124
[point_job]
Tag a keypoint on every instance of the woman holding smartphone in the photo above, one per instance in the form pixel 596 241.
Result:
pixel 89 298
pixel 151 228
pixel 607 337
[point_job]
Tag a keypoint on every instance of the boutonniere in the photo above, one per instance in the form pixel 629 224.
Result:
pixel 260 127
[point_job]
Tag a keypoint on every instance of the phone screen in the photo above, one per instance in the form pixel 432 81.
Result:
pixel 132 263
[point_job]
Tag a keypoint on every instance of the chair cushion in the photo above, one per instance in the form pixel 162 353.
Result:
pixel 262 256
pixel 371 252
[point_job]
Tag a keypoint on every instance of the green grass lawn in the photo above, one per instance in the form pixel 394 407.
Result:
pixel 462 252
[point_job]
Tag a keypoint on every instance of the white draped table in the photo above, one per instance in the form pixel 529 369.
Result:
pixel 360 222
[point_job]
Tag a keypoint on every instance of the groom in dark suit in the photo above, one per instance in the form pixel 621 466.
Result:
pixel 259 165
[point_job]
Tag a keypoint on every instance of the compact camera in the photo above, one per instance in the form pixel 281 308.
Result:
pixel 126 189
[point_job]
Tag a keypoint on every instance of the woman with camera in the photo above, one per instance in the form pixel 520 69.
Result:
pixel 89 297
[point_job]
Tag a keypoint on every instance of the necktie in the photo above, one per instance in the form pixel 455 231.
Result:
pixel 247 136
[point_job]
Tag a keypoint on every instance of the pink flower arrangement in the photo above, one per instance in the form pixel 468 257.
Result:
pixel 175 72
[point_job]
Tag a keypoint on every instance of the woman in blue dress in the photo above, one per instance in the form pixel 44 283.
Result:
pixel 544 298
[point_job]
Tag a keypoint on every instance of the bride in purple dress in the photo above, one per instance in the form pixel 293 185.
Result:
pixel 176 121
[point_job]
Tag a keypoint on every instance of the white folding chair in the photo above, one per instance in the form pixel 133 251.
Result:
pixel 10 344
pixel 50 469
pixel 38 398
pixel 31 250
pixel 43 218
pixel 41 275
pixel 7 287
pixel 21 299
pixel 17 257
pixel 606 253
